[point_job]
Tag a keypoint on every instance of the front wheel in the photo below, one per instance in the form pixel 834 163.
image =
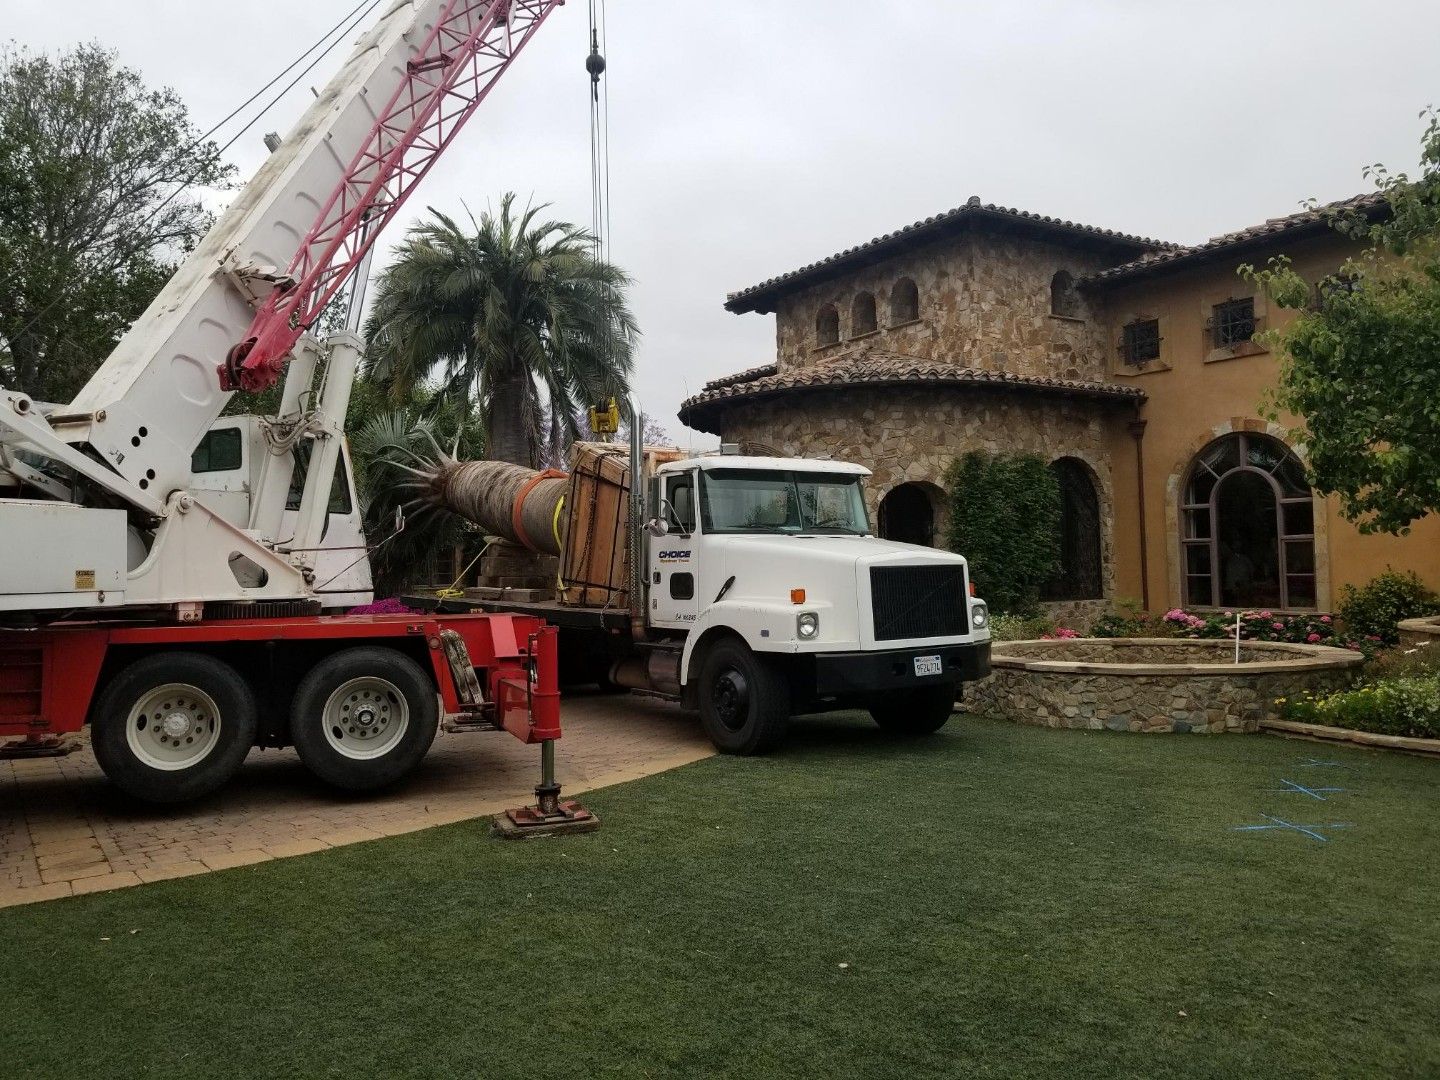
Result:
pixel 922 711
pixel 744 699
pixel 173 726
pixel 364 717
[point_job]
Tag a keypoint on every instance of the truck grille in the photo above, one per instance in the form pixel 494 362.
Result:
pixel 918 602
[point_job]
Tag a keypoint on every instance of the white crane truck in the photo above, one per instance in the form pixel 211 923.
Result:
pixel 162 573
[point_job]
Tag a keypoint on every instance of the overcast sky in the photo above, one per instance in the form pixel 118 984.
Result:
pixel 751 137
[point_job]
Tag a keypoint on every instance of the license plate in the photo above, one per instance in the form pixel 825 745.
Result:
pixel 928 665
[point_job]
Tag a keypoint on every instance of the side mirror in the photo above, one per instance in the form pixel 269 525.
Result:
pixel 657 527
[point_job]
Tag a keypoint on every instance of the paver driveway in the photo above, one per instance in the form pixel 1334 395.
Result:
pixel 64 830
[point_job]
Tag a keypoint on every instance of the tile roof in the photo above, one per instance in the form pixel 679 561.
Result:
pixel 751 299
pixel 1312 220
pixel 874 368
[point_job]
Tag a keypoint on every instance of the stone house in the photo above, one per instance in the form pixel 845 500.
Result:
pixel 1129 363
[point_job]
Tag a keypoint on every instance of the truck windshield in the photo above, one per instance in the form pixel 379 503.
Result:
pixel 781 501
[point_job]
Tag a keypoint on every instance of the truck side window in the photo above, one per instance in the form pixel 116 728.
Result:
pixel 682 499
pixel 219 451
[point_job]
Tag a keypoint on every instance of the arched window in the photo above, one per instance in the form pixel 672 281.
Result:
pixel 862 315
pixel 904 302
pixel 910 513
pixel 1079 576
pixel 1064 297
pixel 827 326
pixel 1248 528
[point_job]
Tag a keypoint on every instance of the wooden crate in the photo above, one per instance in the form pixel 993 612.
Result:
pixel 593 567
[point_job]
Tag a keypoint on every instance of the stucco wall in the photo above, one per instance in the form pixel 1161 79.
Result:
pixel 1195 396
pixel 984 303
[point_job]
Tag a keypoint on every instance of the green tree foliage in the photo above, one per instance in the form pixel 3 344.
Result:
pixel 1361 362
pixel 510 315
pixel 96 206
pixel 1005 519
pixel 382 435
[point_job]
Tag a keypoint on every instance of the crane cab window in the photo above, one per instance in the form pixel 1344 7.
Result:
pixel 339 491
pixel 220 450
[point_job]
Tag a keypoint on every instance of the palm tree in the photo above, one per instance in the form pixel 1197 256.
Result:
pixel 499 314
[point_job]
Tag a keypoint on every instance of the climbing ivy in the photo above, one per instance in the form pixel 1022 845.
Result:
pixel 1005 519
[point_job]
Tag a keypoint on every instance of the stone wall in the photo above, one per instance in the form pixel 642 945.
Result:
pixel 984 303
pixel 1151 686
pixel 1420 633
pixel 909 434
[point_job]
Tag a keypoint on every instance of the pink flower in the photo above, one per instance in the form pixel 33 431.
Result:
pixel 1229 614
pixel 1313 638
pixel 1264 614
pixel 1175 615
pixel 1278 625
pixel 1325 619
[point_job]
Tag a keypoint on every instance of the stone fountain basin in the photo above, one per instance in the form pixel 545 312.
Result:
pixel 1152 684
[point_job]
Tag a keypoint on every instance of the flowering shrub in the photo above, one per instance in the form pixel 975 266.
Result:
pixel 391 606
pixel 1061 633
pixel 1311 629
pixel 1401 705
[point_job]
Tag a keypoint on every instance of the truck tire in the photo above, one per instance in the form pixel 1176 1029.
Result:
pixel 922 711
pixel 744 699
pixel 364 717
pixel 173 726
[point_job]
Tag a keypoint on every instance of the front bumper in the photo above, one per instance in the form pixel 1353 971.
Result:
pixel 839 674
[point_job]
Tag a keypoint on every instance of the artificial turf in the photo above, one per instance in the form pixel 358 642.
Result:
pixel 994 901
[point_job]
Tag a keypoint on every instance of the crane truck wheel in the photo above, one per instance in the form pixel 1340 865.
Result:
pixel 922 711
pixel 363 718
pixel 744 699
pixel 173 726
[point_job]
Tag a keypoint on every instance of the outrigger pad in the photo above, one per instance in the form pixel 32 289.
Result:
pixel 527 821
pixel 38 747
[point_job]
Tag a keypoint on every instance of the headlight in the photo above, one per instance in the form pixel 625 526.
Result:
pixel 807 624
pixel 979 616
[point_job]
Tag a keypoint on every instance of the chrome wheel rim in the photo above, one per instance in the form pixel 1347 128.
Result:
pixel 365 718
pixel 173 727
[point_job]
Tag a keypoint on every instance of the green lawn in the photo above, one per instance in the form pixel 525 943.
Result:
pixel 995 901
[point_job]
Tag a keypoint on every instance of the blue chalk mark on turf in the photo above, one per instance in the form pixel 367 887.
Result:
pixel 1292 788
pixel 1308 830
pixel 1316 763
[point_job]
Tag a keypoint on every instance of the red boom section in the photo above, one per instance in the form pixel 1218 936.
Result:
pixel 49 677
pixel 471 46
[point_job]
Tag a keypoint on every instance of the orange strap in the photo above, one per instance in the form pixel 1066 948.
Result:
pixel 516 512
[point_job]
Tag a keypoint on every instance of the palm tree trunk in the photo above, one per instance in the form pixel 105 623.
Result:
pixel 509 440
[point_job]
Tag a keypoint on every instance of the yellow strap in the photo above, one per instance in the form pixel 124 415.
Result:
pixel 454 591
pixel 555 523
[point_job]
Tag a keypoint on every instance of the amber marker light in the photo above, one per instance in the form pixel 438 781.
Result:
pixel 797 596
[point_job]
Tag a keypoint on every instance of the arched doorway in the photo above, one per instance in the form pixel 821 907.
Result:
pixel 1080 570
pixel 1248 526
pixel 908 514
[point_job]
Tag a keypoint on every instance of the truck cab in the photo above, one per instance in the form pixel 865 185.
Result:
pixel 226 468
pixel 765 575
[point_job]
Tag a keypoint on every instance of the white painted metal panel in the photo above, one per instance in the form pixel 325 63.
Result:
pixel 57 555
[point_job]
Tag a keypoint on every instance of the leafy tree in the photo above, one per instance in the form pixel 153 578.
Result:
pixel 509 316
pixel 1005 520
pixel 1361 362
pixel 94 210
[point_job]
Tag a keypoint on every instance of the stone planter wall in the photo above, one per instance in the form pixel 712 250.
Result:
pixel 1152 684
pixel 1414 632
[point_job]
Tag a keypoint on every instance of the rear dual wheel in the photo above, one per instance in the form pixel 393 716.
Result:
pixel 173 726
pixel 363 718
